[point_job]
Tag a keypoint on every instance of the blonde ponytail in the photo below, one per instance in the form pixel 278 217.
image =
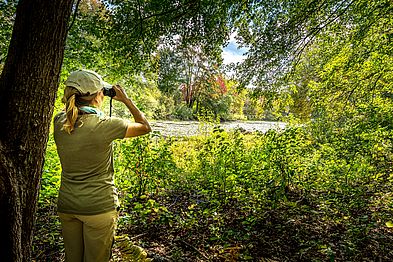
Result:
pixel 73 99
pixel 71 109
pixel 71 114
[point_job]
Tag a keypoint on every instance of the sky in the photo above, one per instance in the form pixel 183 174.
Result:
pixel 232 53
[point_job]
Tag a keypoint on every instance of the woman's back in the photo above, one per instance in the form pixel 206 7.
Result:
pixel 87 166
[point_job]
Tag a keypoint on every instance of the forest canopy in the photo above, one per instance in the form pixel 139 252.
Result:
pixel 300 54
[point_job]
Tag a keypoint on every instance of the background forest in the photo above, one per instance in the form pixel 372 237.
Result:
pixel 319 190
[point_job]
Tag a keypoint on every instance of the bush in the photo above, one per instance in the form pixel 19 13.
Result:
pixel 183 112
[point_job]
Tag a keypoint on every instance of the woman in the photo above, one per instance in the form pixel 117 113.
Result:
pixel 87 200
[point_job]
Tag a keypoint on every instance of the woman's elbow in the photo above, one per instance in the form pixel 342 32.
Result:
pixel 148 129
pixel 137 129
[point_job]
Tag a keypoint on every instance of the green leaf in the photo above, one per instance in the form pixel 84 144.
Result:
pixel 389 224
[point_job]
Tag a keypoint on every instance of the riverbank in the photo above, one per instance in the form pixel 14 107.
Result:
pixel 192 128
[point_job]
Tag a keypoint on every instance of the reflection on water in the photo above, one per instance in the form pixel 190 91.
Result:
pixel 190 128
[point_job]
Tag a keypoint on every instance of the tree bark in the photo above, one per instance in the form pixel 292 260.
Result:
pixel 28 87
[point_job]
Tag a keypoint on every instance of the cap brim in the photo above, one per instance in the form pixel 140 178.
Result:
pixel 106 84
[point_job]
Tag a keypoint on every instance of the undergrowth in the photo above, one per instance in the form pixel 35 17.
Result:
pixel 229 196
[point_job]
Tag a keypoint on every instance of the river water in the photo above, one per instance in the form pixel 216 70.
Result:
pixel 191 128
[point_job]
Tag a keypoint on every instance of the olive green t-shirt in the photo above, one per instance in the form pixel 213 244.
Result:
pixel 87 185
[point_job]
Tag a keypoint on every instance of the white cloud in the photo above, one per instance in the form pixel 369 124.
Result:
pixel 230 57
pixel 232 53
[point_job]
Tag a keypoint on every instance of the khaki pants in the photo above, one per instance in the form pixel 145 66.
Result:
pixel 88 238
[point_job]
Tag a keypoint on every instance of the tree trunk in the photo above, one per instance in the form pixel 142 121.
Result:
pixel 28 87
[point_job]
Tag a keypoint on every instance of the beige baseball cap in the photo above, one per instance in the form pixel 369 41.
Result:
pixel 86 81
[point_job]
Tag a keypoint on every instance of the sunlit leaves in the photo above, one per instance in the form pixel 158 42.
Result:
pixel 279 33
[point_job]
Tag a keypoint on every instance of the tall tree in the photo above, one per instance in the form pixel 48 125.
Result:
pixel 28 86
pixel 194 70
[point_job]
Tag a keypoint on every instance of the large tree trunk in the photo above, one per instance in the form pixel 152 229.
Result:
pixel 28 86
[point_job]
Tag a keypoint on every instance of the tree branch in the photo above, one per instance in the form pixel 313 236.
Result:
pixel 74 15
pixel 308 39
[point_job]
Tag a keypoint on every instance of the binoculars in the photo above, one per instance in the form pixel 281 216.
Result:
pixel 109 91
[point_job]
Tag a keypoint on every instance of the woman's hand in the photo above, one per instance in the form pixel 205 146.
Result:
pixel 141 125
pixel 121 94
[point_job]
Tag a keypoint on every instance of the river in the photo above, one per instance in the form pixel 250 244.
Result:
pixel 190 128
